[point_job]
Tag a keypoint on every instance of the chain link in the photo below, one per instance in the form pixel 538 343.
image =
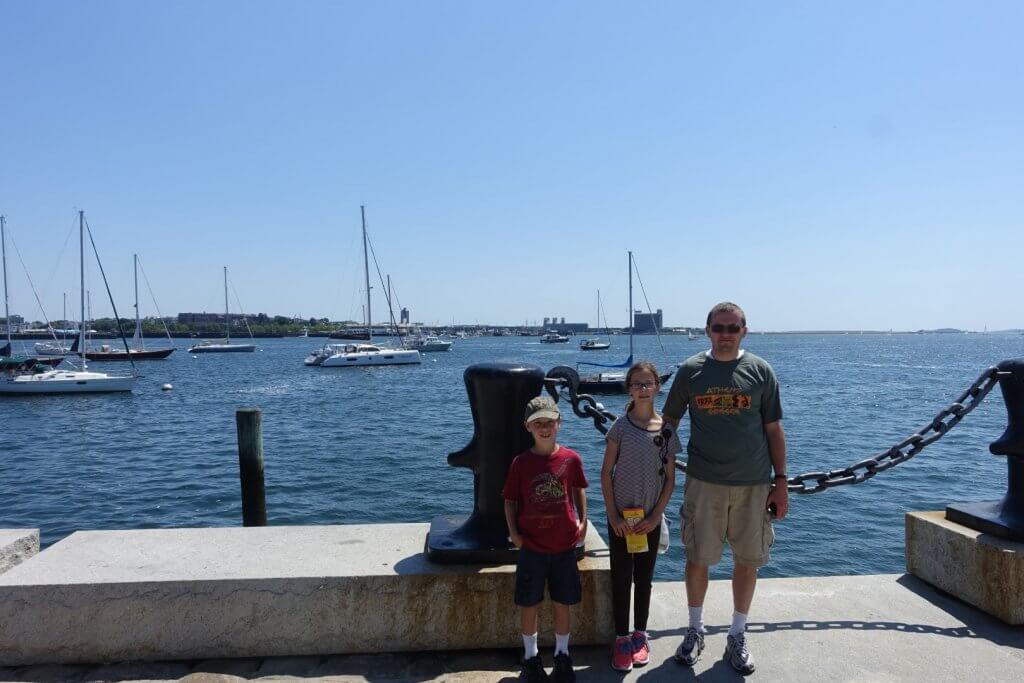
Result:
pixel 563 377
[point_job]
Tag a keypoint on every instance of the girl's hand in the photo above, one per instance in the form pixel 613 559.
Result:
pixel 646 525
pixel 618 525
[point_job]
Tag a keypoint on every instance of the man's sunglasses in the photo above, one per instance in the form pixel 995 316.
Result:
pixel 731 329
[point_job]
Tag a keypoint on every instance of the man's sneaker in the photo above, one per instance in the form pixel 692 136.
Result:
pixel 622 654
pixel 533 671
pixel 738 655
pixel 563 672
pixel 691 647
pixel 641 648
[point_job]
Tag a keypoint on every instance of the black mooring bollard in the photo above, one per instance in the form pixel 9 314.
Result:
pixel 250 466
pixel 1003 518
pixel 498 394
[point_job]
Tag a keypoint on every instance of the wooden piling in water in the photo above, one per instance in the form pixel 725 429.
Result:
pixel 250 466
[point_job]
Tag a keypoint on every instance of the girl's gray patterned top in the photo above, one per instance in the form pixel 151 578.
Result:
pixel 635 478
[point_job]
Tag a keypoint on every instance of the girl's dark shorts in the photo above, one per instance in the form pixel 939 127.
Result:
pixel 558 571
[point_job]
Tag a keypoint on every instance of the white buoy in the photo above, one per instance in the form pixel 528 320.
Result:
pixel 166 387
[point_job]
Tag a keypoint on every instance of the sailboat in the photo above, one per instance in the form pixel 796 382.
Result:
pixel 596 344
pixel 614 382
pixel 138 350
pixel 226 346
pixel 362 355
pixel 28 380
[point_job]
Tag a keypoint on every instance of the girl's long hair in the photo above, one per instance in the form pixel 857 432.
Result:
pixel 639 367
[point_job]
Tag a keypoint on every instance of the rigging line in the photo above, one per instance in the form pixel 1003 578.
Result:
pixel 110 296
pixel 391 311
pixel 156 305
pixel 241 309
pixel 30 284
pixel 60 255
pixel 644 291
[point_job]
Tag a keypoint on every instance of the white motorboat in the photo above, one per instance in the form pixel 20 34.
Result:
pixel 427 343
pixel 553 338
pixel 28 380
pixel 361 355
pixel 225 345
pixel 594 345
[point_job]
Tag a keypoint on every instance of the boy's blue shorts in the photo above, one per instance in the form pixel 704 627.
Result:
pixel 558 571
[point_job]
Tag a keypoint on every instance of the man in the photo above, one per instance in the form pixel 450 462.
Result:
pixel 736 473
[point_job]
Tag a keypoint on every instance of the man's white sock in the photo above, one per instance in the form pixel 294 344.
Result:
pixel 561 643
pixel 697 618
pixel 739 623
pixel 530 645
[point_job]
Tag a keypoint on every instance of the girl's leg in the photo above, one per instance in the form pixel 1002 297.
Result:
pixel 643 574
pixel 622 578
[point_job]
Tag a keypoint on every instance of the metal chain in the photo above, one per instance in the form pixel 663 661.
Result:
pixel 564 377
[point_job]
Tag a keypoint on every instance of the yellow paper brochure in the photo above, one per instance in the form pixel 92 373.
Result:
pixel 635 543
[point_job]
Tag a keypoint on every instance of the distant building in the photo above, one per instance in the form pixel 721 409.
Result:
pixel 200 318
pixel 562 327
pixel 646 322
pixel 404 316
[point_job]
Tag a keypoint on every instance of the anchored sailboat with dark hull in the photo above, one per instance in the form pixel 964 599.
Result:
pixel 137 350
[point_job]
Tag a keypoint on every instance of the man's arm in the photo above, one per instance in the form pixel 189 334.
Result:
pixel 779 493
pixel 511 512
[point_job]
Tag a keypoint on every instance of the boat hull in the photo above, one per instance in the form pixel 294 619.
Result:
pixel 223 348
pixel 156 354
pixel 370 358
pixel 609 383
pixel 66 382
pixel 595 347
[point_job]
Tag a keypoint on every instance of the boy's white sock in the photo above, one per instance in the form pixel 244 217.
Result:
pixel 530 645
pixel 739 624
pixel 561 643
pixel 697 618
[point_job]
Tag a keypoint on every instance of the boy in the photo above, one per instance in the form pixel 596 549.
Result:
pixel 543 485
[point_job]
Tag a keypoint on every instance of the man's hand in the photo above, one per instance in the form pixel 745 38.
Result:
pixel 779 495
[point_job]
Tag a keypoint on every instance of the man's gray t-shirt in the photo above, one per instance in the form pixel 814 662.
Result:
pixel 729 404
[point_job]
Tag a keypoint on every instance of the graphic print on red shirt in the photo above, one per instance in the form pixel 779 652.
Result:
pixel 542 485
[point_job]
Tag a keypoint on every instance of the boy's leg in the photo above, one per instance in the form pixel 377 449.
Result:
pixel 530 574
pixel 561 623
pixel 528 619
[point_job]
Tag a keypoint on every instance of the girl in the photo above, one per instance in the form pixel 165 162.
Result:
pixel 638 472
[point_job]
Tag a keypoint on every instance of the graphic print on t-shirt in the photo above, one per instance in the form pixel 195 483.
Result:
pixel 723 401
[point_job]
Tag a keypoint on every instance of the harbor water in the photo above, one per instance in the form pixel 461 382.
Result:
pixel 369 445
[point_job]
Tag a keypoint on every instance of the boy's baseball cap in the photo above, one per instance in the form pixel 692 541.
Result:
pixel 541 407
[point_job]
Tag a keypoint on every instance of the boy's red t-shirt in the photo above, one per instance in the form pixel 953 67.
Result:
pixel 542 485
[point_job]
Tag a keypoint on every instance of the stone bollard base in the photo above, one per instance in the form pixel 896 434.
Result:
pixel 978 568
pixel 165 594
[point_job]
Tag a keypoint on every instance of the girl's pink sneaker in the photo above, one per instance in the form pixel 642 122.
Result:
pixel 622 654
pixel 641 648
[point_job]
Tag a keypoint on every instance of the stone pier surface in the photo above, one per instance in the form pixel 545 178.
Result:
pixel 980 569
pixel 801 630
pixel 16 546
pixel 254 592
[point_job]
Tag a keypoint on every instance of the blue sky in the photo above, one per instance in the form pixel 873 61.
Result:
pixel 827 166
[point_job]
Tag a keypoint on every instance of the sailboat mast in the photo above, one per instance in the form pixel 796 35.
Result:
pixel 138 321
pixel 227 317
pixel 366 271
pixel 630 318
pixel 3 248
pixel 81 272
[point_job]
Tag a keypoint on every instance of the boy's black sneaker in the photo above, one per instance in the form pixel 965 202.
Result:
pixel 563 672
pixel 533 671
